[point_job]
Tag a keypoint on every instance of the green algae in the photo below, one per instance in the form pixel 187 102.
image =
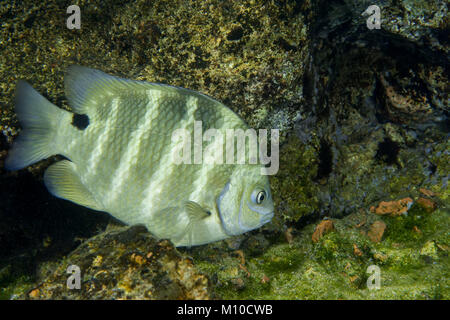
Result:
pixel 330 269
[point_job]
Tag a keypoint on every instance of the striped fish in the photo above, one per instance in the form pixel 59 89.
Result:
pixel 119 159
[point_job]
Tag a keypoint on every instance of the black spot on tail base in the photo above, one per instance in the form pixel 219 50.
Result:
pixel 80 121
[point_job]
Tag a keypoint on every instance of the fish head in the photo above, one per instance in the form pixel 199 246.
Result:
pixel 245 203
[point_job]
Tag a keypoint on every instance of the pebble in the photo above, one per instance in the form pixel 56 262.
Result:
pixel 427 192
pixel 376 231
pixel 427 204
pixel 356 250
pixel 321 229
pixel 393 208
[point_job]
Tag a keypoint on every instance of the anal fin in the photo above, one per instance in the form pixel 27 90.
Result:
pixel 62 180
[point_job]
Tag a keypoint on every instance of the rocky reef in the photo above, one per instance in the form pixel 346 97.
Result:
pixel 364 148
pixel 124 263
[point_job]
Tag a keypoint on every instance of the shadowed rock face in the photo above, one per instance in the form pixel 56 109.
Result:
pixel 376 106
pixel 363 117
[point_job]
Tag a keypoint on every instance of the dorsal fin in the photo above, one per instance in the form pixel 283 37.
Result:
pixel 83 86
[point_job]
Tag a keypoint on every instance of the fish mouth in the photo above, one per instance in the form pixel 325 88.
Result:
pixel 266 218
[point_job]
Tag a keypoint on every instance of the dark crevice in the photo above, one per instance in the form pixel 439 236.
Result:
pixel 307 220
pixel 388 151
pixel 432 167
pixel 325 160
pixel 30 20
pixel 3 142
pixel 285 45
pixel 235 34
pixel 381 112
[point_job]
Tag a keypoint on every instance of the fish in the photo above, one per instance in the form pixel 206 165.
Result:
pixel 118 151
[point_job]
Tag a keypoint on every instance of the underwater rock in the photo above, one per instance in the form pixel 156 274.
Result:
pixel 377 98
pixel 124 263
pixel 420 21
pixel 427 204
pixel 294 187
pixel 332 268
pixel 401 108
pixel 394 208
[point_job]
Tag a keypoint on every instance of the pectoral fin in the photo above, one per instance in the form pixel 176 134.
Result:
pixel 195 211
pixel 175 223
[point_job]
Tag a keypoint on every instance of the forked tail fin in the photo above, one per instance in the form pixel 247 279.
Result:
pixel 40 120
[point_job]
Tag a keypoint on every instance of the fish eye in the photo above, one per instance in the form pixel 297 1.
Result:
pixel 258 196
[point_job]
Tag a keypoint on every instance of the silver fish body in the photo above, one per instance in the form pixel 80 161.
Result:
pixel 122 163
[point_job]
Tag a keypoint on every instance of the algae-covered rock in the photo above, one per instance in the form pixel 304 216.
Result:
pixel 378 102
pixel 295 188
pixel 250 55
pixel 123 263
pixel 337 265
